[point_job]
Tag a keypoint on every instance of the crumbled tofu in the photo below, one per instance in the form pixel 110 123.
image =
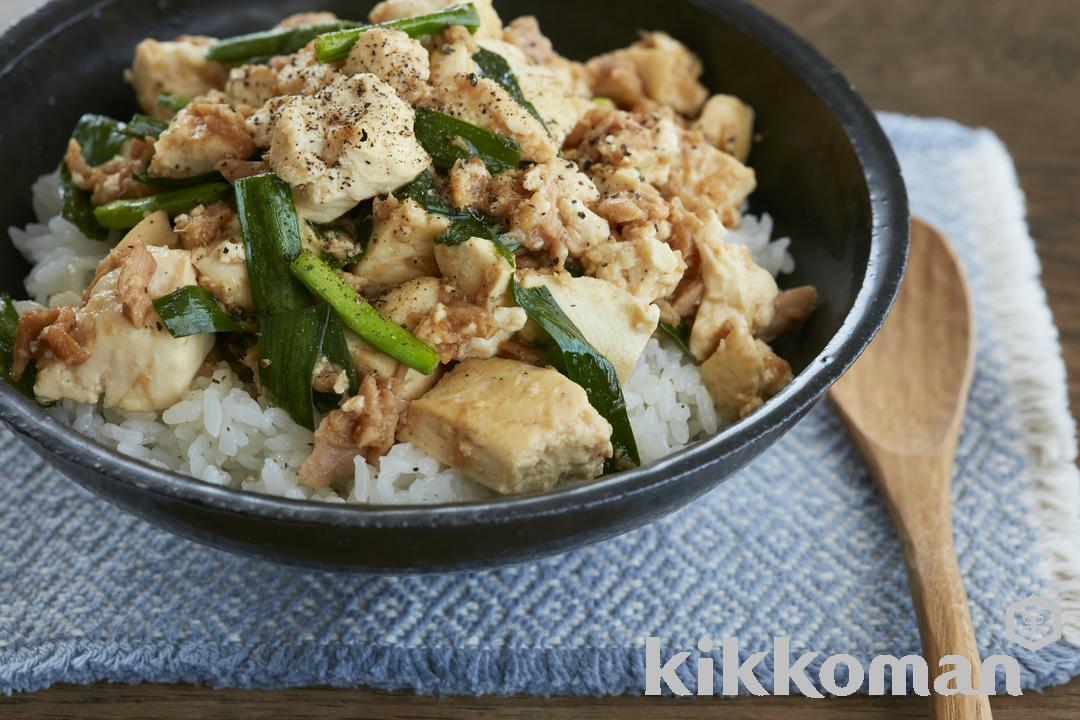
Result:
pixel 462 331
pixel 255 85
pixel 461 90
pixel 617 324
pixel 524 33
pixel 393 57
pixel 179 67
pixel 646 144
pixel 728 123
pixel 556 212
pixel 349 142
pixel 411 302
pixel 707 179
pixel 640 263
pixel 221 268
pixel 203 134
pixel 136 368
pixel 513 427
pixel 477 269
pixel 658 68
pixel 401 247
pixel 742 374
pixel 738 292
pixel 490 23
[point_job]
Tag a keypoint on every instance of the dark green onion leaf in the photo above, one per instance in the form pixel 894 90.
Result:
pixel 171 183
pixel 574 357
pixel 290 346
pixel 192 310
pixel 126 214
pixel 422 190
pixel 279 41
pixel 495 67
pixel 271 230
pixel 100 138
pixel 335 46
pixel 9 322
pixel 471 224
pixel 169 101
pixel 77 208
pixel 143 126
pixel 680 334
pixel 448 139
pixel 364 320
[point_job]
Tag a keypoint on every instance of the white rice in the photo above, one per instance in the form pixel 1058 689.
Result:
pixel 220 435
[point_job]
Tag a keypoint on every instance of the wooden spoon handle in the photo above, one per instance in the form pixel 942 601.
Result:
pixel 917 489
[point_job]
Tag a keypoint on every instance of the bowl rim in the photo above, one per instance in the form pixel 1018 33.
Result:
pixel 881 280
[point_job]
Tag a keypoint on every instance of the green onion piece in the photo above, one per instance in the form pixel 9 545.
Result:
pixel 363 319
pixel 100 140
pixel 448 139
pixel 9 323
pixel 192 310
pixel 604 102
pixel 142 126
pixel 290 346
pixel 494 66
pixel 574 357
pixel 171 183
pixel 77 208
pixel 279 41
pixel 271 230
pixel 680 334
pixel 335 46
pixel 126 214
pixel 169 101
pixel 472 224
pixel 422 190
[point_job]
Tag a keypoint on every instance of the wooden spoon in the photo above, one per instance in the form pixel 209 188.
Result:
pixel 903 403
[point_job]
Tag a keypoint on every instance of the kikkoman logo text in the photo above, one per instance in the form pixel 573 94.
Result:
pixel 1032 623
pixel 838 674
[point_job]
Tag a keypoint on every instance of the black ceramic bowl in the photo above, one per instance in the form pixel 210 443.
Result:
pixel 827 175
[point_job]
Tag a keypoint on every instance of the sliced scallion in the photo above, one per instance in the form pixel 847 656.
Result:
pixel 170 101
pixel 448 139
pixel 171 183
pixel 142 126
pixel 680 335
pixel 363 319
pixel 268 43
pixel 100 140
pixel 192 310
pixel 264 204
pixel 422 190
pixel 335 46
pixel 126 214
pixel 495 67
pixel 574 357
pixel 290 345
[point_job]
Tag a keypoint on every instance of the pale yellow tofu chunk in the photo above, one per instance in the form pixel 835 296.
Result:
pixel 140 369
pixel 617 324
pixel 512 427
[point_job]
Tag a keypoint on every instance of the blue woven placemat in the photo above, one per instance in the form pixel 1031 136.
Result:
pixel 799 544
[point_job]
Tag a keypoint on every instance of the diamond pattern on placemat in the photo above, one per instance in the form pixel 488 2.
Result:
pixel 798 544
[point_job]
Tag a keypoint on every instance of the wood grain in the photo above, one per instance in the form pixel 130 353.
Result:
pixel 903 403
pixel 1011 65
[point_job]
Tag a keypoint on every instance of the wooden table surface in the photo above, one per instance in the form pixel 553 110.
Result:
pixel 1011 65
